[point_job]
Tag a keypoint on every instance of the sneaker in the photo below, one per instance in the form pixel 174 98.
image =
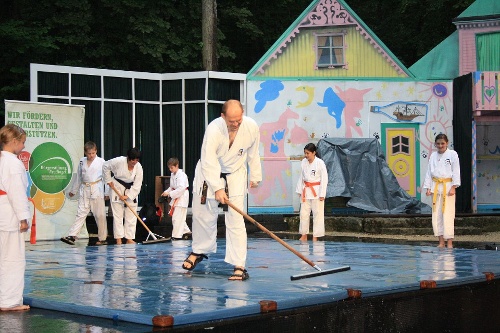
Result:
pixel 68 240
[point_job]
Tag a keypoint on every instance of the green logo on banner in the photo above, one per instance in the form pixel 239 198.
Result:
pixel 50 167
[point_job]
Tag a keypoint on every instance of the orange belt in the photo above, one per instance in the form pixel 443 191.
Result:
pixel 172 208
pixel 33 220
pixel 434 197
pixel 311 186
pixel 33 223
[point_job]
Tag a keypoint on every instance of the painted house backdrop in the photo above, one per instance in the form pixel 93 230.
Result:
pixel 328 75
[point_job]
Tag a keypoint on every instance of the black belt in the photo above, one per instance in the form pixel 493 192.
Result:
pixel 225 207
pixel 205 189
pixel 126 185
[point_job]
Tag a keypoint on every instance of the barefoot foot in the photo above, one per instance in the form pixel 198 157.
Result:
pixel 16 308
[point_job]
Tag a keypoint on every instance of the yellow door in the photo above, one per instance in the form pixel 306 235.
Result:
pixel 401 153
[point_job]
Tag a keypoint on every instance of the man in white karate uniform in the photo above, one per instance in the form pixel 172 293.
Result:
pixel 127 180
pixel 230 142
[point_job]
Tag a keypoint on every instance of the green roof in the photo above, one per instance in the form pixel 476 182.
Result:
pixel 441 63
pixel 481 8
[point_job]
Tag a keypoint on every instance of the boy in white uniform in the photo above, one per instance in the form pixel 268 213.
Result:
pixel 178 192
pixel 90 184
pixel 229 143
pixel 127 180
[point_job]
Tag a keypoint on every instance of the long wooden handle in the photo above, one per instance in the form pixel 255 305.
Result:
pixel 267 231
pixel 133 211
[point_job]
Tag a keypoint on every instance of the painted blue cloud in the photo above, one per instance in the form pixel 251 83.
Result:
pixel 476 76
pixel 270 90
pixel 334 104
pixel 278 135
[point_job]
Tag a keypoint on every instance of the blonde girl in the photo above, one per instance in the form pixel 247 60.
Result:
pixel 15 210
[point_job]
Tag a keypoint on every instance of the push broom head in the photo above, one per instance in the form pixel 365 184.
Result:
pixel 323 272
pixel 155 239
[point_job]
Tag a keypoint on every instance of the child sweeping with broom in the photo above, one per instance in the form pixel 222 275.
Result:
pixel 178 192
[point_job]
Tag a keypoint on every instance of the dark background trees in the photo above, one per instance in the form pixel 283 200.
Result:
pixel 166 36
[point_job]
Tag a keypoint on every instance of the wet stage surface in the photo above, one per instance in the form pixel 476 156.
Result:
pixel 131 284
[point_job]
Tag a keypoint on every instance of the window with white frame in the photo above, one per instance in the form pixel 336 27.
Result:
pixel 330 50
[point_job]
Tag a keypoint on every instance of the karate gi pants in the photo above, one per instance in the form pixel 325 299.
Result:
pixel 205 230
pixel 179 225
pixel 97 207
pixel 318 209
pixel 12 267
pixel 123 228
pixel 443 223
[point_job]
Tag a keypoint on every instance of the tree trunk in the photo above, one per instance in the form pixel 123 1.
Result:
pixel 209 33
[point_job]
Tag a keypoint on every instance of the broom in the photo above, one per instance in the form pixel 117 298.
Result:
pixel 293 277
pixel 155 238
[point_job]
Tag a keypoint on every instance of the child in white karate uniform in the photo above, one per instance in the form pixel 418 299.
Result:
pixel 311 187
pixel 179 194
pixel 90 186
pixel 441 180
pixel 15 212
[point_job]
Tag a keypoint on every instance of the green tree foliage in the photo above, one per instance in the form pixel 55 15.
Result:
pixel 410 28
pixel 248 28
pixel 165 35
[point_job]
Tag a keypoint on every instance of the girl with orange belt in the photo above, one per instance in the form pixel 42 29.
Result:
pixel 311 187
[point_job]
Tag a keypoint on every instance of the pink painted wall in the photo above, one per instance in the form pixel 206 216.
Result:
pixel 467 45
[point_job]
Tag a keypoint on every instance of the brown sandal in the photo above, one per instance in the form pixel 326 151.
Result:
pixel 199 258
pixel 240 276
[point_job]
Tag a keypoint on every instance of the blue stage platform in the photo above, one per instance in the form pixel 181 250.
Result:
pixel 136 283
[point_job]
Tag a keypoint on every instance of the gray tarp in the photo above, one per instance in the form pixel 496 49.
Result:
pixel 357 170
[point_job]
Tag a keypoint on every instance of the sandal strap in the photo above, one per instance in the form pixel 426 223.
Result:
pixel 198 255
pixel 237 275
pixel 189 262
pixel 198 258
pixel 240 269
pixel 243 275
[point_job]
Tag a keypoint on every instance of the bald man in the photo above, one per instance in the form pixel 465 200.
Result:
pixel 230 143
